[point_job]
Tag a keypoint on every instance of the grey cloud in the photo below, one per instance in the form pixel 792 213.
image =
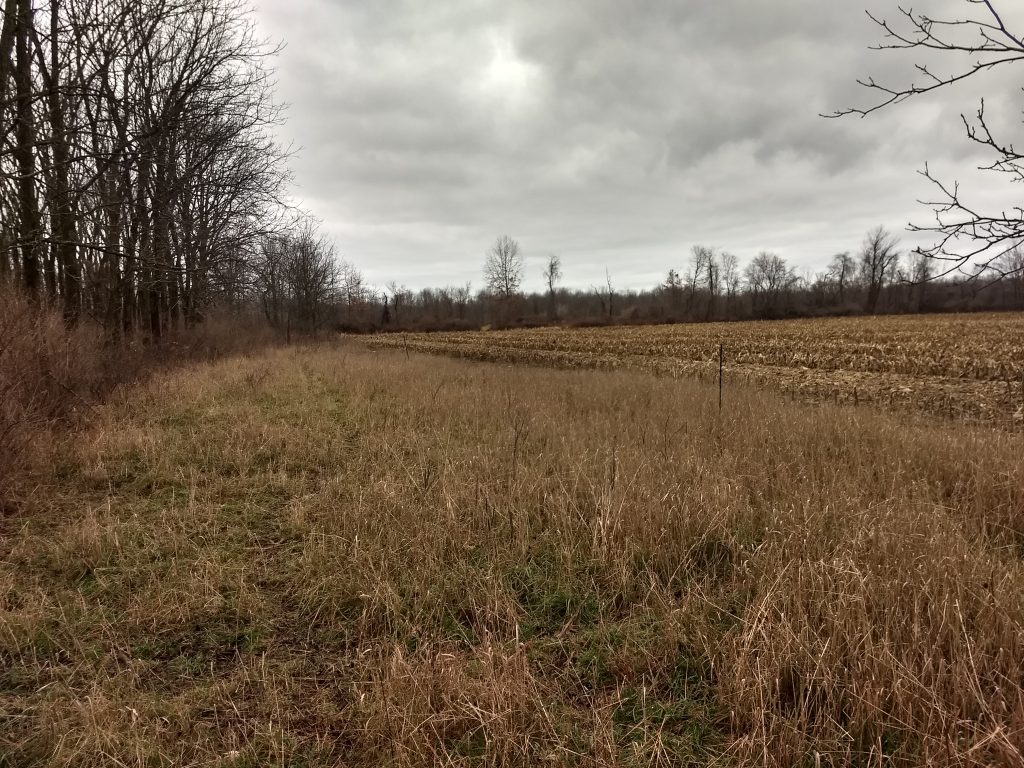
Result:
pixel 618 134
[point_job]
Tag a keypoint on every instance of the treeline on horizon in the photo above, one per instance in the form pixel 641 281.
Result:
pixel 714 285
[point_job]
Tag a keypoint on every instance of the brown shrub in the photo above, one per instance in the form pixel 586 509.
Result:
pixel 50 373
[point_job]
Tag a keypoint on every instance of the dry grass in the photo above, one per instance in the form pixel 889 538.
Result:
pixel 52 374
pixel 968 367
pixel 47 373
pixel 336 556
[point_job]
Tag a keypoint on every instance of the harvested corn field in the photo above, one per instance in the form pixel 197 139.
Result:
pixel 967 367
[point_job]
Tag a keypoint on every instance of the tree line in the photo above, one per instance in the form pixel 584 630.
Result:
pixel 712 285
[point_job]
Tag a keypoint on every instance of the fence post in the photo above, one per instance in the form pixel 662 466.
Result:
pixel 721 362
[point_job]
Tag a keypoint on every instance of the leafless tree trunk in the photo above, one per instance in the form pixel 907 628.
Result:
pixel 552 274
pixel 24 151
pixel 610 293
pixel 711 281
pixel 840 271
pixel 769 279
pixel 878 258
pixel 503 268
pixel 62 222
pixel 730 279
pixel 503 273
pixel 7 35
pixel 141 173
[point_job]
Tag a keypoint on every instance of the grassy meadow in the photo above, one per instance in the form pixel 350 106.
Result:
pixel 344 556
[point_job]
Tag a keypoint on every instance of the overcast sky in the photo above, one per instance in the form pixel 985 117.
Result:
pixel 615 134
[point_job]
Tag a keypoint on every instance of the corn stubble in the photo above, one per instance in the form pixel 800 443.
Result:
pixel 340 556
pixel 967 367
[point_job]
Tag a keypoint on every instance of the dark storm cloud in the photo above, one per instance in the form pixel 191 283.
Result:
pixel 617 134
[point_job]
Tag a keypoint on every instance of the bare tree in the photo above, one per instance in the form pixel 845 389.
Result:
pixel 272 280
pixel 400 298
pixel 920 277
pixel 140 176
pixel 712 282
pixel 730 269
pixel 25 150
pixel 769 280
pixel 879 257
pixel 698 257
pixel 840 273
pixel 705 273
pixel 353 295
pixel 980 40
pixel 1011 267
pixel 298 278
pixel 463 294
pixel 609 292
pixel 312 275
pixel 552 274
pixel 673 289
pixel 503 268
pixel 7 35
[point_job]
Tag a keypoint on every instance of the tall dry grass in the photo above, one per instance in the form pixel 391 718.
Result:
pixel 333 556
pixel 47 373
pixel 51 374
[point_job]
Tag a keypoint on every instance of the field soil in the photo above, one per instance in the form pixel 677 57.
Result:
pixel 965 367
pixel 350 557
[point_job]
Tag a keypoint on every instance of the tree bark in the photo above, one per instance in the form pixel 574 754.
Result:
pixel 24 152
pixel 62 220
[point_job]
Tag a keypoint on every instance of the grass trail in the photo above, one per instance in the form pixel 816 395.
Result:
pixel 335 556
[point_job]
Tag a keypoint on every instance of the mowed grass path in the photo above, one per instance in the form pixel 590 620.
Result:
pixel 333 556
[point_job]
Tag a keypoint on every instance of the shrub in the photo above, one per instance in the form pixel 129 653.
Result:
pixel 50 373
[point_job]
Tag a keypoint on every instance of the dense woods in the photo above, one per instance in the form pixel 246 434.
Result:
pixel 141 178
